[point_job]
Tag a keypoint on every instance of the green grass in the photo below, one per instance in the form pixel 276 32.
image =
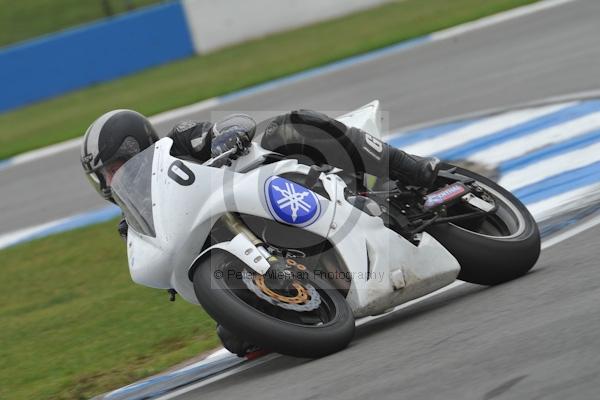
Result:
pixel 25 19
pixel 74 324
pixel 184 82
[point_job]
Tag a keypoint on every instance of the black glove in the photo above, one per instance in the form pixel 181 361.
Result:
pixel 234 137
pixel 191 138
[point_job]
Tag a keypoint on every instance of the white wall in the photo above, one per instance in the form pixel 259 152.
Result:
pixel 218 23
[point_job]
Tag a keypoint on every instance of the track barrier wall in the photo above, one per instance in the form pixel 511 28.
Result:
pixel 52 65
pixel 219 23
pixel 55 64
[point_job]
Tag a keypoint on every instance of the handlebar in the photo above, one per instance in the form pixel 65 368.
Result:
pixel 215 161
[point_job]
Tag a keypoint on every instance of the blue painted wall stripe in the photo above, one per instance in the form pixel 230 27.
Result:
pixel 98 52
pixel 526 128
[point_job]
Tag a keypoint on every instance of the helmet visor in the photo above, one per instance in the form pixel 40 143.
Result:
pixel 101 176
pixel 97 181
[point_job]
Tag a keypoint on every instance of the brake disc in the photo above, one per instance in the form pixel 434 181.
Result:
pixel 308 298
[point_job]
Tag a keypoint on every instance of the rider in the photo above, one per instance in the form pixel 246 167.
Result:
pixel 119 135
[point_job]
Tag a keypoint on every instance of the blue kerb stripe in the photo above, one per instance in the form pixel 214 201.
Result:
pixel 198 372
pixel 547 229
pixel 561 183
pixel 526 128
pixel 551 151
pixel 78 221
pixel 5 163
pixel 332 67
pixel 419 135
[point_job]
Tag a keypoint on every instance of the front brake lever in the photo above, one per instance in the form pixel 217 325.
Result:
pixel 225 155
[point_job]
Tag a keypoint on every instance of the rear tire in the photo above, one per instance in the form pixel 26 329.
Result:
pixel 264 330
pixel 487 259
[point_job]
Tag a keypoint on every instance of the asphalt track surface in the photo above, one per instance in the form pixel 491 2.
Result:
pixel 533 338
pixel 549 53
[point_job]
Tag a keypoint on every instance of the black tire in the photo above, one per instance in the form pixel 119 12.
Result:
pixel 264 330
pixel 492 259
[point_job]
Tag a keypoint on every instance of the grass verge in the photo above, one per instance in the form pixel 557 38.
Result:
pixel 184 82
pixel 74 325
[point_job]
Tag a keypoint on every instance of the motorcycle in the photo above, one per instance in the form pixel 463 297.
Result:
pixel 286 255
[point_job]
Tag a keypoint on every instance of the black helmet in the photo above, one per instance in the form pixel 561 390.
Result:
pixel 116 136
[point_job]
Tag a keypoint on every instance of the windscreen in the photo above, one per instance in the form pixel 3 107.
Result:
pixel 235 123
pixel 132 190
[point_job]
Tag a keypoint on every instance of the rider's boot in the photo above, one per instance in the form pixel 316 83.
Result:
pixel 414 170
pixel 381 159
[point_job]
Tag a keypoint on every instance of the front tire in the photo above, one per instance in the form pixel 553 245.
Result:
pixel 493 254
pixel 260 323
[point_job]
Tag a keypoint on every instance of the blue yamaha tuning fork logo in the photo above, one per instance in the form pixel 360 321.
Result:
pixel 290 202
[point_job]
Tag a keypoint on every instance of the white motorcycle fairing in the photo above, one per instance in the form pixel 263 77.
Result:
pixel 187 199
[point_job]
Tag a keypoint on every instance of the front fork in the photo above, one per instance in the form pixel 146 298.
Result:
pixel 281 276
pixel 237 226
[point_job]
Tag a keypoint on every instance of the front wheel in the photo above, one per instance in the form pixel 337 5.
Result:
pixel 501 246
pixel 309 319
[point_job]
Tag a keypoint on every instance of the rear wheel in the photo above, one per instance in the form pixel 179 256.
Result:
pixel 309 318
pixel 497 248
